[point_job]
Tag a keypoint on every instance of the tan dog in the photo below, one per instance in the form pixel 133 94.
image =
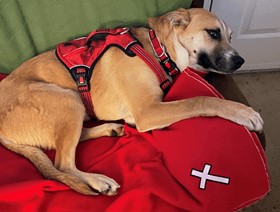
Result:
pixel 40 106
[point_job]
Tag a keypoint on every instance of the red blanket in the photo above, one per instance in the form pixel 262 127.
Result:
pixel 199 164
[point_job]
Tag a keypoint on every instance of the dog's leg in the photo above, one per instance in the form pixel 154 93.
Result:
pixel 162 114
pixel 108 129
pixel 65 158
pixel 46 168
pixel 50 117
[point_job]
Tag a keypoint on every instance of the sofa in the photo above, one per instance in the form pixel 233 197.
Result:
pixel 28 28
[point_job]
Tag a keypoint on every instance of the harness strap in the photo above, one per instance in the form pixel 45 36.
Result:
pixel 81 77
pixel 166 62
pixel 140 52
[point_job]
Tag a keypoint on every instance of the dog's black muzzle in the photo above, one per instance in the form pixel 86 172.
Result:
pixel 220 62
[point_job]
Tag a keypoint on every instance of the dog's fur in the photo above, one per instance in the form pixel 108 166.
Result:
pixel 40 106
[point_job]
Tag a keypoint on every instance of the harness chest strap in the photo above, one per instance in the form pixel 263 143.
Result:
pixel 84 90
pixel 140 52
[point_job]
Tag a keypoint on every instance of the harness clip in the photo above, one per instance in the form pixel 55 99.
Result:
pixel 170 67
pixel 81 78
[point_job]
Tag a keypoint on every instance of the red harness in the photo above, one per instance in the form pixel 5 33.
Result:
pixel 81 55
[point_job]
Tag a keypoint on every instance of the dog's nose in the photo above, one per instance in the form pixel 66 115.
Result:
pixel 237 62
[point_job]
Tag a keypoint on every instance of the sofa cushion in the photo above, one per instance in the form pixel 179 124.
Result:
pixel 31 27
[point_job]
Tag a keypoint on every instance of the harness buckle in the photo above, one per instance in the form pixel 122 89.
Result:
pixel 169 66
pixel 81 77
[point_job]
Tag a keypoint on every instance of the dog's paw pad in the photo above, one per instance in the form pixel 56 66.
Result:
pixel 117 130
pixel 114 133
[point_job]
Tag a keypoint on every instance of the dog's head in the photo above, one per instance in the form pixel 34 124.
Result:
pixel 199 39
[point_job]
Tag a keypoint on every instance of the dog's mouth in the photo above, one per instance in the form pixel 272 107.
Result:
pixel 220 63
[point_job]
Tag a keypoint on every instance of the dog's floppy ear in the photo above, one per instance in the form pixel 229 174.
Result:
pixel 176 18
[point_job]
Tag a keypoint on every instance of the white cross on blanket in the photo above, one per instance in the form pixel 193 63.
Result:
pixel 204 175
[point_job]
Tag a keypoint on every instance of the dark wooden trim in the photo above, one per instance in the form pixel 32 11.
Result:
pixel 197 4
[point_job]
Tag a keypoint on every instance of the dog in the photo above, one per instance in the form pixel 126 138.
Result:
pixel 40 106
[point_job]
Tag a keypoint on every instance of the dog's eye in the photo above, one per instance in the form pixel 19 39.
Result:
pixel 215 34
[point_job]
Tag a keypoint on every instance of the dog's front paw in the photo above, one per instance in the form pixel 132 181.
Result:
pixel 250 119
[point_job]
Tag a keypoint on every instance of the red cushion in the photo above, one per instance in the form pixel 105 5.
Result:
pixel 228 149
pixel 158 170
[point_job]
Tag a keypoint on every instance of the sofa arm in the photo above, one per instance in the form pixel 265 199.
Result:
pixel 228 88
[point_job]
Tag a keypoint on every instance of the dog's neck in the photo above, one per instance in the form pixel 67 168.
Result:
pixel 171 43
pixel 181 55
pixel 142 34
